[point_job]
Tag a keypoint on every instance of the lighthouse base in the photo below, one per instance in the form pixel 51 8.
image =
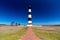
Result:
pixel 29 25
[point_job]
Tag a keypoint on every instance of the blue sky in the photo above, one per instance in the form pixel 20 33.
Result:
pixel 44 12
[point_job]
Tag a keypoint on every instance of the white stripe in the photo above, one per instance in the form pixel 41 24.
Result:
pixel 29 16
pixel 29 21
pixel 29 10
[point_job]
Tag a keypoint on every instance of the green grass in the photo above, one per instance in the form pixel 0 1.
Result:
pixel 47 35
pixel 13 36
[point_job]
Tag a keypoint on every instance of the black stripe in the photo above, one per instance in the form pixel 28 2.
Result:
pixel 29 13
pixel 29 23
pixel 29 19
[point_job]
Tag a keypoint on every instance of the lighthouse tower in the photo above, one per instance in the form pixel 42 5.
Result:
pixel 29 16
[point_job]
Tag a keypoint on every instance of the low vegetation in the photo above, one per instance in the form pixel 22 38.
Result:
pixel 47 33
pixel 13 35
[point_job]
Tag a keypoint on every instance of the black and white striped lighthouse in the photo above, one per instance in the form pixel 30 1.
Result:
pixel 29 16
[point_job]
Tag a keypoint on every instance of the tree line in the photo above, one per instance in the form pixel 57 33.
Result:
pixel 15 24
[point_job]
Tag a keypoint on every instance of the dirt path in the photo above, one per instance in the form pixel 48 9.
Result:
pixel 29 35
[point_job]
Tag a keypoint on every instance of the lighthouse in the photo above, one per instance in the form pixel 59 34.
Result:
pixel 29 16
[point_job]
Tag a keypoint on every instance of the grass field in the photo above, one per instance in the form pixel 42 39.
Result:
pixel 11 33
pixel 47 32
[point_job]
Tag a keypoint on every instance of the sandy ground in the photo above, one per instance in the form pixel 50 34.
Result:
pixel 9 29
pixel 48 29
